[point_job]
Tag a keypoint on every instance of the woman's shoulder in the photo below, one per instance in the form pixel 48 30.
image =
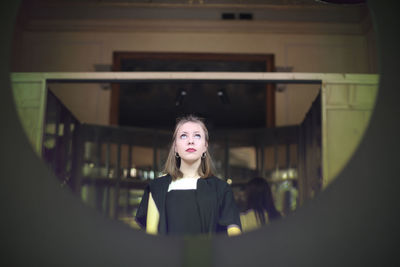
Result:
pixel 215 179
pixel 218 182
pixel 164 180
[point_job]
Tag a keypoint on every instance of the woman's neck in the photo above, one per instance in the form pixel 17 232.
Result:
pixel 190 170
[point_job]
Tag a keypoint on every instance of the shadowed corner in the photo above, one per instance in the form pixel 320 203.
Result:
pixel 42 223
pixel 200 246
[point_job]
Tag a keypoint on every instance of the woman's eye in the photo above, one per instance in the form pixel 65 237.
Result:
pixel 183 136
pixel 197 136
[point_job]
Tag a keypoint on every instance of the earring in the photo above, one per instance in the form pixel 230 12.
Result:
pixel 176 155
pixel 204 155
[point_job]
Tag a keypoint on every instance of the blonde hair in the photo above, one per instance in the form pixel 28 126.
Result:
pixel 172 163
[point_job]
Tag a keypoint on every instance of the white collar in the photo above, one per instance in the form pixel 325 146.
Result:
pixel 183 184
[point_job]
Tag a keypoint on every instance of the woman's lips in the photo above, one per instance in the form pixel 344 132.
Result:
pixel 190 150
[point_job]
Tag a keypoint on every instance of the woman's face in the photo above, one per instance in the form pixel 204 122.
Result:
pixel 190 142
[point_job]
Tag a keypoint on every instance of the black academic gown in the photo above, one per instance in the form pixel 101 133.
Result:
pixel 215 203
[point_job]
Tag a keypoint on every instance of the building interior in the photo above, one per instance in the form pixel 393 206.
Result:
pixel 120 132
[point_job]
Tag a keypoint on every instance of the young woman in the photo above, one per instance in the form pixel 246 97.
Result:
pixel 260 205
pixel 189 199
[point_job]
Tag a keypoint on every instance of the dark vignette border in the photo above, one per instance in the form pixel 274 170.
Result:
pixel 353 223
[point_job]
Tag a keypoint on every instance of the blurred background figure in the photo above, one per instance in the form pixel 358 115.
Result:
pixel 260 208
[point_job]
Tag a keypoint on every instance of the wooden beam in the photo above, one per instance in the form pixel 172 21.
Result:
pixel 233 77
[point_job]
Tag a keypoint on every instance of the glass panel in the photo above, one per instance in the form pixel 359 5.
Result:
pixel 269 158
pixel 217 152
pixel 243 157
pixel 281 157
pixel 242 163
pixel 293 155
pixel 142 161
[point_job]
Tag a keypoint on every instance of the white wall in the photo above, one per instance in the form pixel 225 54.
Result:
pixel 47 48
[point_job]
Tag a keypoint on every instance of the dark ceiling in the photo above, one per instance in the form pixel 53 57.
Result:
pixel 328 11
pixel 224 105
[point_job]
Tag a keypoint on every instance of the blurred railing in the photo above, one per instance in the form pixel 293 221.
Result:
pixel 347 102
